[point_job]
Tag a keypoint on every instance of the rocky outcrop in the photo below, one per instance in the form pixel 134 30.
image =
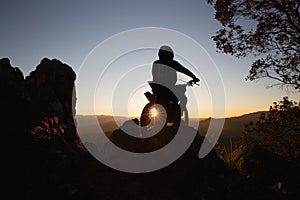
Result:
pixel 189 177
pixel 49 92
pixel 12 96
pixel 45 93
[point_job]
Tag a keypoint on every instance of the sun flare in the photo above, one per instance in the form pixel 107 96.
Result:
pixel 153 112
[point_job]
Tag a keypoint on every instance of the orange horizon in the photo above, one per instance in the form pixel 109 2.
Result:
pixel 193 117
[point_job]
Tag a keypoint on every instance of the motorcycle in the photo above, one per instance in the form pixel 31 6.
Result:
pixel 165 106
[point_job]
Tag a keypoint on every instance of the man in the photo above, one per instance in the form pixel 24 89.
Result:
pixel 164 70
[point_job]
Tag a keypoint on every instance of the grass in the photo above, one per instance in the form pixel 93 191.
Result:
pixel 234 155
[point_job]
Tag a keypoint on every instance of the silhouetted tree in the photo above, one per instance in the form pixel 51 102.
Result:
pixel 266 28
pixel 279 129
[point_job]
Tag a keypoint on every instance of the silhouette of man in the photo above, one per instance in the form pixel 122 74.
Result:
pixel 164 70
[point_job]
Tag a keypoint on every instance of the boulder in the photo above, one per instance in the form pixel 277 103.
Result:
pixel 12 95
pixel 46 93
pixel 49 92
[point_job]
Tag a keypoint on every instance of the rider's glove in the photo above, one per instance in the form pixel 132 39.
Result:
pixel 195 80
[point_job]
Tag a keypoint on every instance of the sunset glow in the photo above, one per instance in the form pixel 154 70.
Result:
pixel 70 36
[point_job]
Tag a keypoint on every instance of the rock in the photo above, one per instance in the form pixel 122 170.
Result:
pixel 46 92
pixel 49 92
pixel 11 101
pixel 189 177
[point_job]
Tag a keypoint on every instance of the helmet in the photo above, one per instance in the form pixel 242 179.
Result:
pixel 165 53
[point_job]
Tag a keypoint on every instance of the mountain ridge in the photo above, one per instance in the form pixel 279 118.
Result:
pixel 233 126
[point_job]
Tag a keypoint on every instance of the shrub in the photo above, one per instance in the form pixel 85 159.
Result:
pixel 48 128
pixel 279 129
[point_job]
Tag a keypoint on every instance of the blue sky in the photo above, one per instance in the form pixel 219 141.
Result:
pixel 70 30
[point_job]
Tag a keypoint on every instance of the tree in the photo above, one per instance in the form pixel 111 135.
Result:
pixel 279 129
pixel 274 35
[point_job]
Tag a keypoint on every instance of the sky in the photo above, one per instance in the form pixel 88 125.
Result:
pixel 72 31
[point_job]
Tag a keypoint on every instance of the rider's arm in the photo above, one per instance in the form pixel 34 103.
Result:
pixel 178 67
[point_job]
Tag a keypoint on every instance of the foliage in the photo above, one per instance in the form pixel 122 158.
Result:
pixel 235 154
pixel 266 28
pixel 279 188
pixel 49 127
pixel 279 130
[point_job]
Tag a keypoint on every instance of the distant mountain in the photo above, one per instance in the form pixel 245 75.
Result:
pixel 233 127
pixel 89 125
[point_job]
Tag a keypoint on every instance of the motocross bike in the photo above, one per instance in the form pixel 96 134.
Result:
pixel 165 106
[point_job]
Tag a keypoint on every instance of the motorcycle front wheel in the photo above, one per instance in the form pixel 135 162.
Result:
pixel 153 115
